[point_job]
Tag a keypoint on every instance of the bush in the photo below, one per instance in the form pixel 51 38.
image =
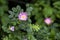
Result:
pixel 40 21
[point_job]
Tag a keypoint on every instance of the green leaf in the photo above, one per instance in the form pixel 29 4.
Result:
pixel 1 11
pixel 5 20
pixel 48 11
pixel 31 37
pixel 52 33
pixel 58 14
pixel 18 9
pixel 58 36
pixel 28 10
pixel 35 27
pixel 14 9
pixel 11 13
pixel 5 38
pixel 57 4
pixel 27 5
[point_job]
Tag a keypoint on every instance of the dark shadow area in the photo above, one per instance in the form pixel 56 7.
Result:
pixel 12 4
pixel 33 19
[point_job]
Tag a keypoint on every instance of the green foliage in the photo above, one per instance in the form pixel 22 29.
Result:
pixel 25 30
pixel 48 11
pixel 57 4
pixel 3 7
pixel 42 9
pixel 35 27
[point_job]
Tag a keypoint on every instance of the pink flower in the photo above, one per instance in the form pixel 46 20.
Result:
pixel 12 28
pixel 22 16
pixel 48 21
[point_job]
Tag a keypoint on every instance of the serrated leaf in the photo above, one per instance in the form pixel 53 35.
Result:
pixel 14 9
pixel 11 12
pixel 28 10
pixel 18 8
pixel 35 27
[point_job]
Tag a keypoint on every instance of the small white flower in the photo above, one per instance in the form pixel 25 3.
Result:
pixel 12 28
